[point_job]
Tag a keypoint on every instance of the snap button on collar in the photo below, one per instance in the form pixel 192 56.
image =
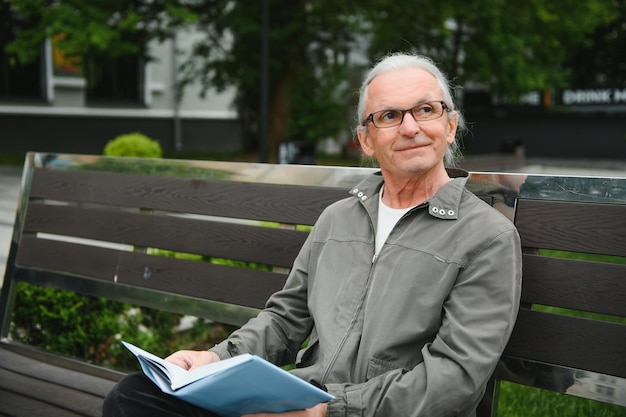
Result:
pixel 360 194
pixel 442 212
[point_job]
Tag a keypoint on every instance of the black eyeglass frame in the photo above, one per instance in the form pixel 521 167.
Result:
pixel 370 118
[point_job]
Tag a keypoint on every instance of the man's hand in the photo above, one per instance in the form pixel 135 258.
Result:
pixel 317 411
pixel 192 359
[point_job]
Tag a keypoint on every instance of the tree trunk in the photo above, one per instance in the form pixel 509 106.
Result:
pixel 280 107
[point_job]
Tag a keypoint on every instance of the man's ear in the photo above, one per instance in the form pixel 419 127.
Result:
pixel 453 124
pixel 366 142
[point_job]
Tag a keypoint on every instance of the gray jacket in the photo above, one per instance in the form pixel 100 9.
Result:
pixel 416 331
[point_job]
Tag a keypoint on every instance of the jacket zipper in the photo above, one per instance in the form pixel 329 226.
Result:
pixel 348 331
pixel 355 317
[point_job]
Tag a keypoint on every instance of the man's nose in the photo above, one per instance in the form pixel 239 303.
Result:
pixel 409 125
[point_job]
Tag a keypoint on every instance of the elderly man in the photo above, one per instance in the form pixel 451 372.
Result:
pixel 407 290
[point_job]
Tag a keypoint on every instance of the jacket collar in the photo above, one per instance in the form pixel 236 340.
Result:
pixel 443 205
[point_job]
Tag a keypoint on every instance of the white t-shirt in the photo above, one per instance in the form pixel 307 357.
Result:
pixel 387 219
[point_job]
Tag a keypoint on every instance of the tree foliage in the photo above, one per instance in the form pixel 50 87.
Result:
pixel 601 61
pixel 309 43
pixel 114 27
pixel 510 47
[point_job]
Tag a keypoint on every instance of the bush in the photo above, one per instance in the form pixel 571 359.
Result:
pixel 133 144
pixel 65 322
pixel 90 328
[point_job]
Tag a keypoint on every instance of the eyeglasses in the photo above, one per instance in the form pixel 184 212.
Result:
pixel 427 110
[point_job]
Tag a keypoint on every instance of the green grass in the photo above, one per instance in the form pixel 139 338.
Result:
pixel 583 256
pixel 521 401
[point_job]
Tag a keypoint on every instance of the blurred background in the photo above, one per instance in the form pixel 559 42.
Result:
pixel 277 80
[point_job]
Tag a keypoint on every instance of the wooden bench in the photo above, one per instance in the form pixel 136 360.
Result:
pixel 85 223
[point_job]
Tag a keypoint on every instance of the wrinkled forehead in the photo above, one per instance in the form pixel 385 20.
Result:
pixel 402 88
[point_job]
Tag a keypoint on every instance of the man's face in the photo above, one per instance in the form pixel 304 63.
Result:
pixel 410 148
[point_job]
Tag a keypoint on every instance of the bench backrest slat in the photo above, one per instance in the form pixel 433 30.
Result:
pixel 595 287
pixel 573 342
pixel 177 276
pixel 235 241
pixel 566 226
pixel 283 203
pixel 36 255
pixel 237 286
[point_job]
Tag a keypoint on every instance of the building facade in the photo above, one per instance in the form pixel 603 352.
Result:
pixel 55 105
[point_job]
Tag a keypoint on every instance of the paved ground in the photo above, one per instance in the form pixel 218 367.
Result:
pixel 9 193
pixel 10 186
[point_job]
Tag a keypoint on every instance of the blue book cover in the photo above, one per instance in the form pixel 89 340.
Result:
pixel 244 384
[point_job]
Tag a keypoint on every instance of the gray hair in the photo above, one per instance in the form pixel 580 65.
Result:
pixel 404 60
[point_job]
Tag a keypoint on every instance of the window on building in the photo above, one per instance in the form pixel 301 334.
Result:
pixel 114 80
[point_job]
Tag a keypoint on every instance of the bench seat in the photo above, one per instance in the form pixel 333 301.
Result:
pixel 32 380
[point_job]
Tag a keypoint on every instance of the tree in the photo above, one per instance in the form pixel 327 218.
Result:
pixel 309 46
pixel 602 61
pixel 117 27
pixel 510 47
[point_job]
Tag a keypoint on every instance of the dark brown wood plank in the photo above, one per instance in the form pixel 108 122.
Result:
pixel 57 369
pixel 87 261
pixel 227 284
pixel 572 226
pixel 34 388
pixel 267 245
pixel 18 405
pixel 580 285
pixel 270 202
pixel 570 341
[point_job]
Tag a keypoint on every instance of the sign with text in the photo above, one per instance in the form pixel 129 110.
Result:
pixel 594 96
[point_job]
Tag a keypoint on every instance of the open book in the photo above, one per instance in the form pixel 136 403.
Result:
pixel 243 384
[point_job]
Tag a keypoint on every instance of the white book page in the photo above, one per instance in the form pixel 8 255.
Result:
pixel 179 377
pixel 173 372
pixel 211 369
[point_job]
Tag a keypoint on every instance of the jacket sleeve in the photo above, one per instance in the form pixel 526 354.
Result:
pixel 278 331
pixel 477 320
